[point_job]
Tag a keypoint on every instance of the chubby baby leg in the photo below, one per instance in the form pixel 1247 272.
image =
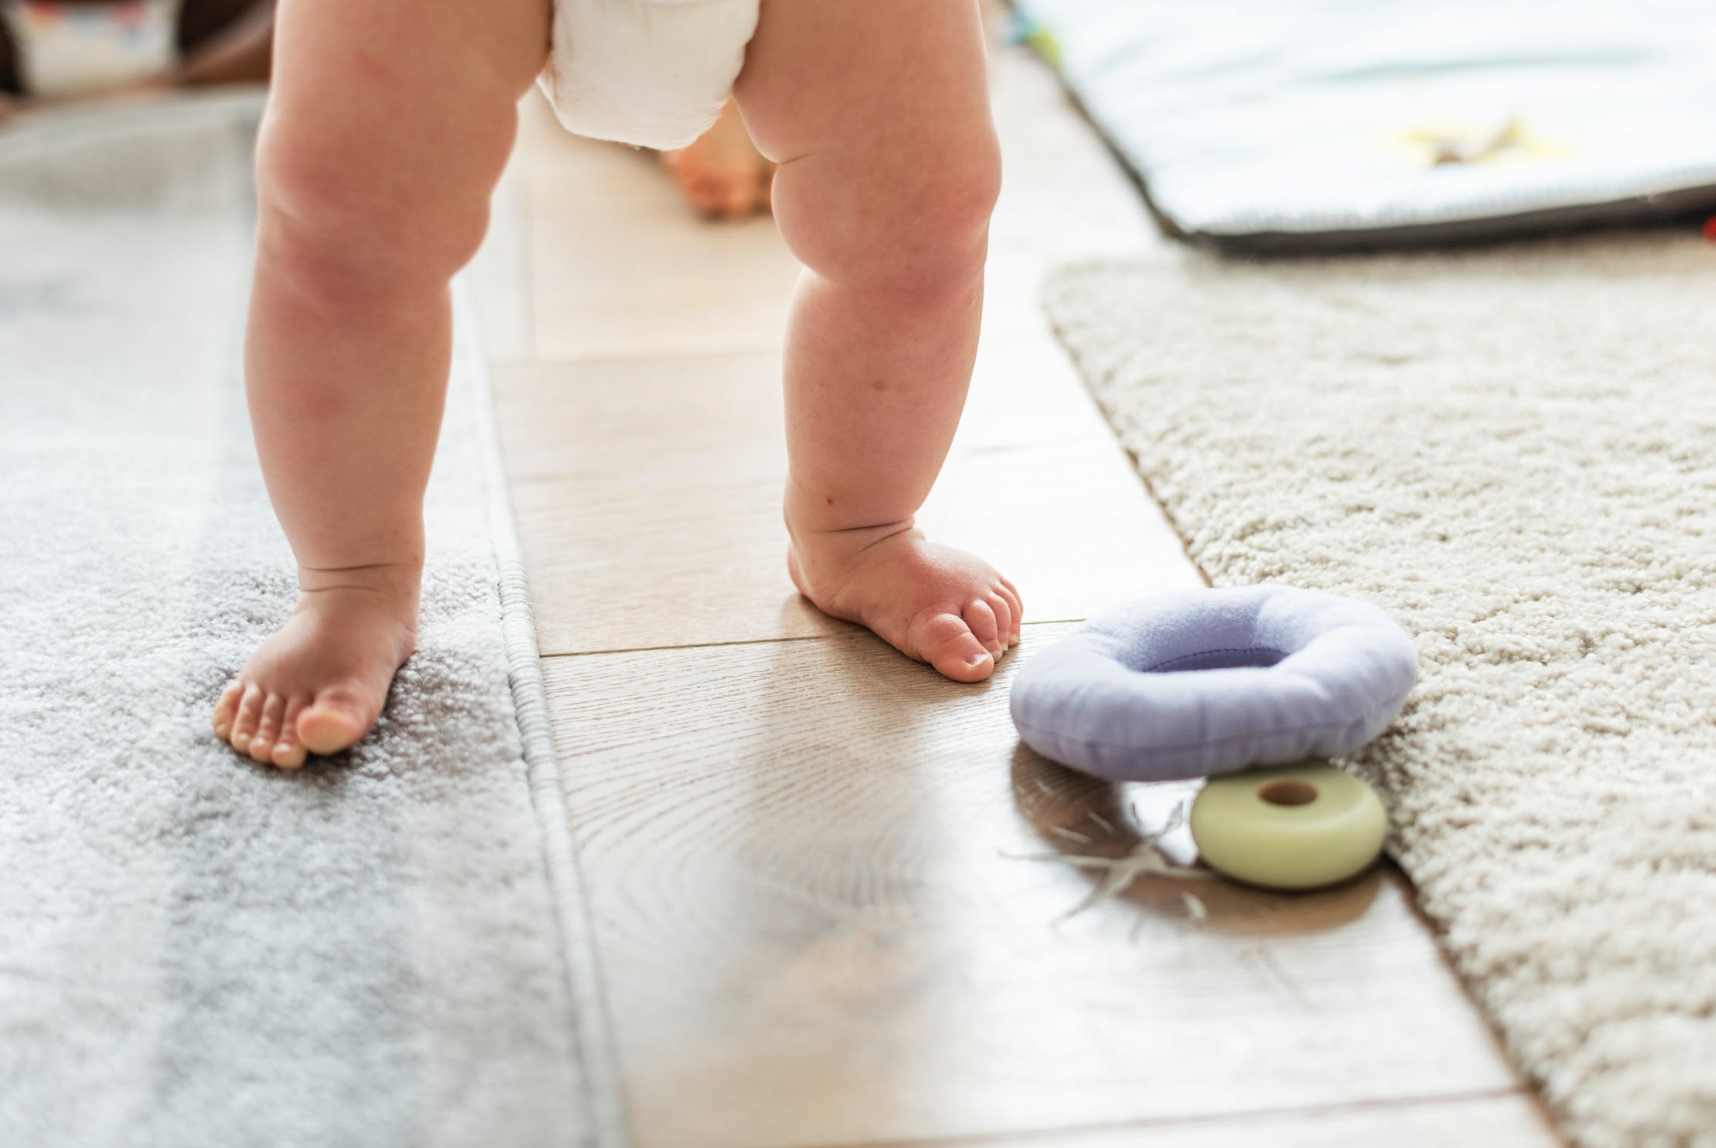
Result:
pixel 387 127
pixel 878 115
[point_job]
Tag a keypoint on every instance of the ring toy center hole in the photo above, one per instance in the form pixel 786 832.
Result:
pixel 1286 791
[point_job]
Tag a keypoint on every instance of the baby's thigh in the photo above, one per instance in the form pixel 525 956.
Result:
pixel 879 115
pixel 407 99
pixel 905 78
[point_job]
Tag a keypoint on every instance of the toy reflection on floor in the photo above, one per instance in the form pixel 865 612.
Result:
pixel 1210 682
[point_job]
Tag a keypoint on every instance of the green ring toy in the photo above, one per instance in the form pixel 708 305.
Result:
pixel 1292 827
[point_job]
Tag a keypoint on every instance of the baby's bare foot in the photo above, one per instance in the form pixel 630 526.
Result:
pixel 933 603
pixel 721 172
pixel 318 685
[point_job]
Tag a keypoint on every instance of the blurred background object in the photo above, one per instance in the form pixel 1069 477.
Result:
pixel 60 50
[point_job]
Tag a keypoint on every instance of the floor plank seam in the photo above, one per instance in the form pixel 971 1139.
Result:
pixel 857 634
pixel 613 358
pixel 1025 1136
pixel 697 645
pixel 759 351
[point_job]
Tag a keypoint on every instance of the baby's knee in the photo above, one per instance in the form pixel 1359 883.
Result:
pixel 338 225
pixel 951 214
pixel 926 236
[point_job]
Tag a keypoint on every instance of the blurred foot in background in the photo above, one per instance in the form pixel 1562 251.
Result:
pixel 721 173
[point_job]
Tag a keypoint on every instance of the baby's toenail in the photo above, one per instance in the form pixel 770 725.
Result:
pixel 977 659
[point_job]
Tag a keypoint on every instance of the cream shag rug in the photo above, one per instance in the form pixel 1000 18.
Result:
pixel 1514 452
pixel 385 950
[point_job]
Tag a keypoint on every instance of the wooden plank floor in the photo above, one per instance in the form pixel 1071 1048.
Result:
pixel 818 870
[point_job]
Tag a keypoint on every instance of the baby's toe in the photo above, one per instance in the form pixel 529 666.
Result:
pixel 226 708
pixel 1003 611
pixel 981 618
pixel 944 640
pixel 289 752
pixel 335 720
pixel 249 713
pixel 1011 593
pixel 267 729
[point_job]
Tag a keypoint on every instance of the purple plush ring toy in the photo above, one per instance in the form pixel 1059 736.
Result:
pixel 1210 681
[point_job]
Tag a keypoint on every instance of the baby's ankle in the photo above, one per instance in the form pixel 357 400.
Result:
pixel 842 543
pixel 396 582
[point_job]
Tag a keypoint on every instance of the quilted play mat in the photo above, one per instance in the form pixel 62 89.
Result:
pixel 1254 125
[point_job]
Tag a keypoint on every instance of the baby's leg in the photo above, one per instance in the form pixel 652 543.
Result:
pixel 386 130
pixel 878 115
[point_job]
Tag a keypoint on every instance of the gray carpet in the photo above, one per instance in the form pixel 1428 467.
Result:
pixel 388 948
pixel 1514 452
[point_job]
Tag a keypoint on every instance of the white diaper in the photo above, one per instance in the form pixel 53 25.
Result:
pixel 653 73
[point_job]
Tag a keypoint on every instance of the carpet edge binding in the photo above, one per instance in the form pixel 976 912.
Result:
pixel 589 1020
